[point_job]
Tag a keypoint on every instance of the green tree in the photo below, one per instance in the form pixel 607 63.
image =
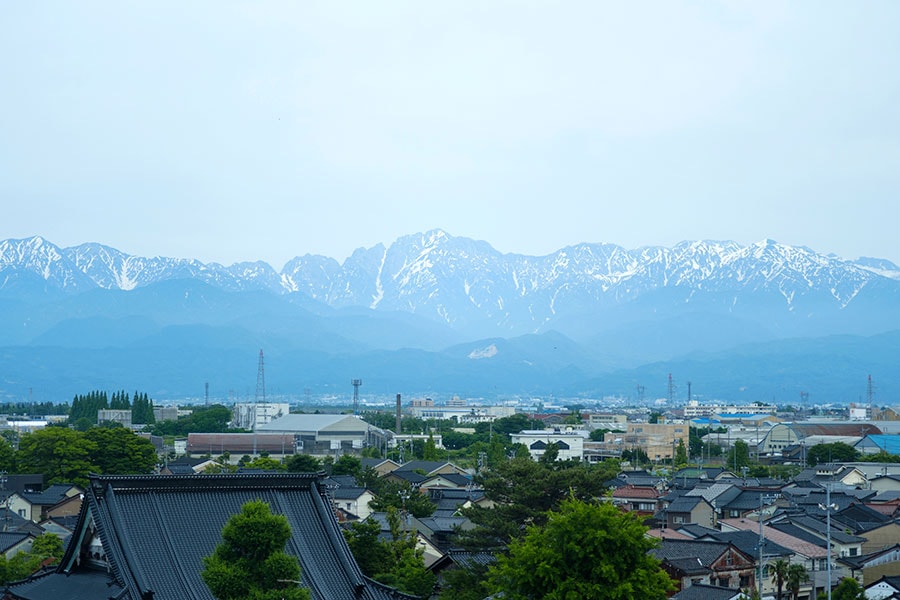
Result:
pixel 265 463
pixel 47 545
pixel 636 456
pixel 62 455
pixel 120 451
pixel 370 551
pixel 7 456
pixel 598 435
pixel 882 456
pixel 585 550
pixel 523 491
pixel 347 464
pixel 407 570
pixel 46 549
pixel 402 497
pixel 203 419
pixel 250 562
pixel 796 577
pixel 303 463
pixel 847 589
pixel 779 572
pixel 430 452
pixel 681 457
pixel 739 456
pixel 834 452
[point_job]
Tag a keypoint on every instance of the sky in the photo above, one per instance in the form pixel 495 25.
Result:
pixel 241 131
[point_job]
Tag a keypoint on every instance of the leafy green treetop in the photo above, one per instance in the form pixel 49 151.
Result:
pixel 523 490
pixel 251 563
pixel 585 550
pixel 62 455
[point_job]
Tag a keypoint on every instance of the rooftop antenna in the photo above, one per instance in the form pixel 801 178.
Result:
pixel 356 383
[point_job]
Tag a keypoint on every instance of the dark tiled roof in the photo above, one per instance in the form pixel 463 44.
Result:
pixel 428 466
pixel 707 592
pixel 454 478
pixel 410 477
pixel 89 584
pixel 838 429
pixel 155 531
pixel 9 539
pixel 819 528
pixel 347 493
pixel 685 504
pixel 705 552
pixel 48 497
pixel 748 542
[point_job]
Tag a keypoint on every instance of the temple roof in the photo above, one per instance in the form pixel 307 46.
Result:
pixel 155 531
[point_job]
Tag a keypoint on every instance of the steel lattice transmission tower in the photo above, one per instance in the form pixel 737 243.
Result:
pixel 261 379
pixel 356 383
pixel 260 396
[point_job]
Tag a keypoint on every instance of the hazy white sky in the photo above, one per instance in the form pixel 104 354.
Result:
pixel 265 130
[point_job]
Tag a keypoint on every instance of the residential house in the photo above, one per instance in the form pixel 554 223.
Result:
pixel 886 588
pixel 871 567
pixel 643 500
pixel 353 500
pixel 34 505
pixel 13 542
pixel 689 509
pixel 692 562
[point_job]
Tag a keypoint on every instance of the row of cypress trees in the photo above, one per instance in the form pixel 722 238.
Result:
pixel 85 406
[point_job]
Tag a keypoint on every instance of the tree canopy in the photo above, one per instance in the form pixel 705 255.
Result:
pixel 523 491
pixel 250 562
pixel 62 455
pixel 396 561
pixel 833 452
pixel 586 550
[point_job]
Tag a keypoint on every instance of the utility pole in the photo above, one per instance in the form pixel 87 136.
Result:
pixel 828 507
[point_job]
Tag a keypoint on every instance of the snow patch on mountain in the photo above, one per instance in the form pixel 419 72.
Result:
pixel 482 353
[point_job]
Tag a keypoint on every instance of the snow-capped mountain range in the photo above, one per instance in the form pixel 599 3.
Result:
pixel 443 314
pixel 473 288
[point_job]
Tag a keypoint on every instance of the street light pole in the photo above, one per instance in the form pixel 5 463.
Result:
pixel 828 507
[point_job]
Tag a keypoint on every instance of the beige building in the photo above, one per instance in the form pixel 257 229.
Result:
pixel 658 440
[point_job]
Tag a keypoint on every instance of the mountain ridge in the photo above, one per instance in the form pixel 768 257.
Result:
pixel 441 313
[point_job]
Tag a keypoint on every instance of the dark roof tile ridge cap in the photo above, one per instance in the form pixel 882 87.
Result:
pixel 73 548
pixel 123 543
pixel 111 545
pixel 394 592
pixel 329 521
pixel 199 480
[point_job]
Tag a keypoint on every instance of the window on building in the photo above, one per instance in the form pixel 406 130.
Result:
pixel 854 551
pixel 745 581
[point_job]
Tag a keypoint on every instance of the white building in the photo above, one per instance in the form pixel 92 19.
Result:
pixel 570 442
pixel 250 415
pixel 325 434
